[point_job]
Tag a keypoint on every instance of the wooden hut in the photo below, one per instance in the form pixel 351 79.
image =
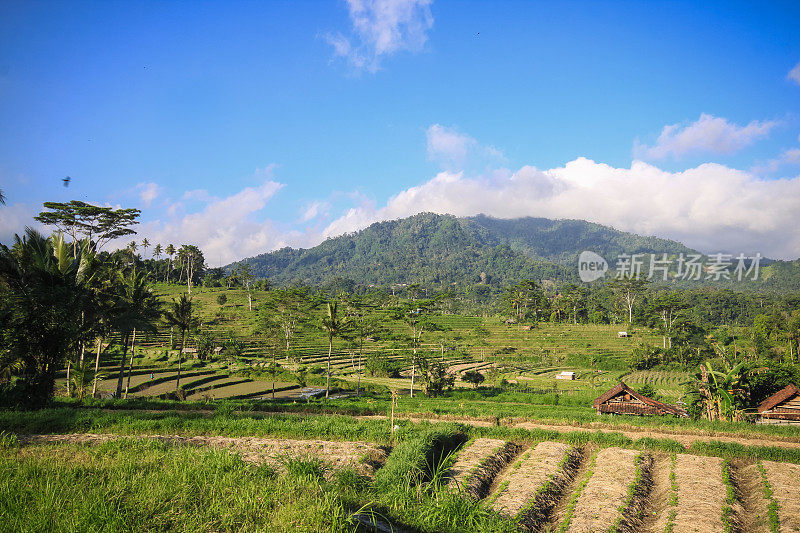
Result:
pixel 783 407
pixel 623 400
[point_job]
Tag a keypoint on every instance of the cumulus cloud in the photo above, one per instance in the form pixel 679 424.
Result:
pixel 226 229
pixel 709 134
pixel 382 28
pixel 314 209
pixel 710 207
pixel 148 192
pixel 454 150
pixel 794 74
pixel 14 218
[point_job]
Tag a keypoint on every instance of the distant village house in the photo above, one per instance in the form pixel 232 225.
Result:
pixel 566 375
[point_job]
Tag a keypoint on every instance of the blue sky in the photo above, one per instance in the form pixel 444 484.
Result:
pixel 244 127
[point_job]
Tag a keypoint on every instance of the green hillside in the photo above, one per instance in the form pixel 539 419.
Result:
pixel 443 249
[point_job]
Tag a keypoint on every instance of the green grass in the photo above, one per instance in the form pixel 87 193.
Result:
pixel 141 486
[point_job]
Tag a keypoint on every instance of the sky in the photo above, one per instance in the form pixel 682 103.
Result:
pixel 244 127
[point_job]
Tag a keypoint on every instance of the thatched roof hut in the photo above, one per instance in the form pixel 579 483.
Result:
pixel 782 407
pixel 623 400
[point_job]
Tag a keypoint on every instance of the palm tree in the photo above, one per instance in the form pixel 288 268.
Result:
pixel 140 310
pixel 170 251
pixel 334 326
pixel 180 315
pixel 2 198
pixel 145 245
pixel 41 309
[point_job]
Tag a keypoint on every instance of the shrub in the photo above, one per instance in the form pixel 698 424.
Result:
pixel 416 458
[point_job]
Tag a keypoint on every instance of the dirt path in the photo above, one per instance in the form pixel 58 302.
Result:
pixel 686 439
pixel 682 436
pixel 362 456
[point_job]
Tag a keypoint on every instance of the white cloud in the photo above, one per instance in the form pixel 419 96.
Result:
pixel 787 157
pixel 382 28
pixel 226 229
pixel 711 207
pixel 453 150
pixel 794 74
pixel 14 218
pixel 148 192
pixel 709 134
pixel 314 209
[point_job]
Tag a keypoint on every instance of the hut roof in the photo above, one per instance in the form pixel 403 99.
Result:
pixel 779 397
pixel 622 387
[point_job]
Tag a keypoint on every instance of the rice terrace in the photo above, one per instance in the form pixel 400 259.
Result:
pixel 413 266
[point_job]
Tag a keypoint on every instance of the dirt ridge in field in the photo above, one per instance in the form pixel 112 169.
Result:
pixel 784 478
pixel 519 483
pixel 598 505
pixel 362 456
pixel 701 494
pixel 479 463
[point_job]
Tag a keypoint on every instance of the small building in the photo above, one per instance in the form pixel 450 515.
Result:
pixel 566 375
pixel 218 350
pixel 783 407
pixel 622 334
pixel 623 400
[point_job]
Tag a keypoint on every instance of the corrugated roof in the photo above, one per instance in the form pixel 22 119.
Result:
pixel 780 396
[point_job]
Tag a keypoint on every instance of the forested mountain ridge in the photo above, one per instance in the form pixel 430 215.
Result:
pixel 443 249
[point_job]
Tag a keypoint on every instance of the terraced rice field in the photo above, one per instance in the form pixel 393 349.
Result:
pixel 529 489
pixel 553 486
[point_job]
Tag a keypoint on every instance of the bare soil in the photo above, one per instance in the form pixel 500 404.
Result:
pixel 784 479
pixel 526 475
pixel 598 506
pixel 701 494
pixel 362 456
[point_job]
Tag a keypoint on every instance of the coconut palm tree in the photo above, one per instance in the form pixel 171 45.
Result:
pixel 170 251
pixel 181 315
pixel 140 310
pixel 334 326
pixel 145 244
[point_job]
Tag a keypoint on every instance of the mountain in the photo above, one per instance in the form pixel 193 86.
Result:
pixel 443 249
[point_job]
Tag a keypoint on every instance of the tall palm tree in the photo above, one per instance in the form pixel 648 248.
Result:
pixel 140 310
pixel 181 315
pixel 334 326
pixel 145 245
pixel 170 251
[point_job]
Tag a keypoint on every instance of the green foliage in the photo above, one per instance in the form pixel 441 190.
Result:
pixel 417 456
pixel 474 377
